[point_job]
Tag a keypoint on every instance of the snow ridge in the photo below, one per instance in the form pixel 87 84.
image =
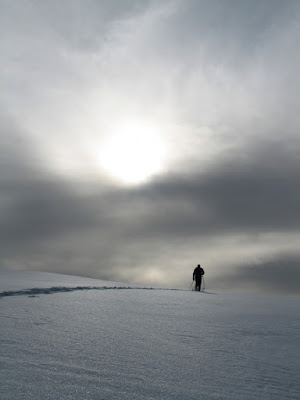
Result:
pixel 37 291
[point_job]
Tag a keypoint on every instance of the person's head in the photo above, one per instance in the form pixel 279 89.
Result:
pixel 198 265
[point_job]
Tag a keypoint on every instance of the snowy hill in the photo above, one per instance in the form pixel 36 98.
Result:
pixel 65 337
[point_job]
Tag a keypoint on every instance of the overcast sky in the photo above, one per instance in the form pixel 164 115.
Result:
pixel 140 138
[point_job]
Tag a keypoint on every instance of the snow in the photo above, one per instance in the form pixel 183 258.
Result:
pixel 65 337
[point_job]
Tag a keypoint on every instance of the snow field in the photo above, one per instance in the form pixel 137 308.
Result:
pixel 145 344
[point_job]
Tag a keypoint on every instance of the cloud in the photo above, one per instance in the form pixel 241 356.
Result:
pixel 221 82
pixel 254 191
pixel 280 275
pixel 242 207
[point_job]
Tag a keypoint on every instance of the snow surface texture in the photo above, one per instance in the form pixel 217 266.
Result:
pixel 66 337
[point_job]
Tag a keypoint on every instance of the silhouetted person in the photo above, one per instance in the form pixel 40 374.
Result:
pixel 197 276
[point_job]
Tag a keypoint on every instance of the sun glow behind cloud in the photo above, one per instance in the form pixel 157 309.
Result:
pixel 133 153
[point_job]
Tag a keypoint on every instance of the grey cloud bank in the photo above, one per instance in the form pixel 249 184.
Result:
pixel 221 81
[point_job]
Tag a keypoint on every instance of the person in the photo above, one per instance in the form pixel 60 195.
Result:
pixel 197 276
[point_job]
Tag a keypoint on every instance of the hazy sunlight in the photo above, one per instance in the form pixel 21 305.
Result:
pixel 133 153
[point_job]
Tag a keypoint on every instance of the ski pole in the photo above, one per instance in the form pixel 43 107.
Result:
pixel 203 284
pixel 191 285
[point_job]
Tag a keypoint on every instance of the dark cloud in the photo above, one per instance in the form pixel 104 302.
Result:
pixel 222 31
pixel 35 203
pixel 41 209
pixel 280 275
pixel 260 194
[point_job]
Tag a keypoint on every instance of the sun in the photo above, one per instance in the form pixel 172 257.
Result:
pixel 133 153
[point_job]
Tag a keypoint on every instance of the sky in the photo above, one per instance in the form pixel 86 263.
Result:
pixel 141 138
